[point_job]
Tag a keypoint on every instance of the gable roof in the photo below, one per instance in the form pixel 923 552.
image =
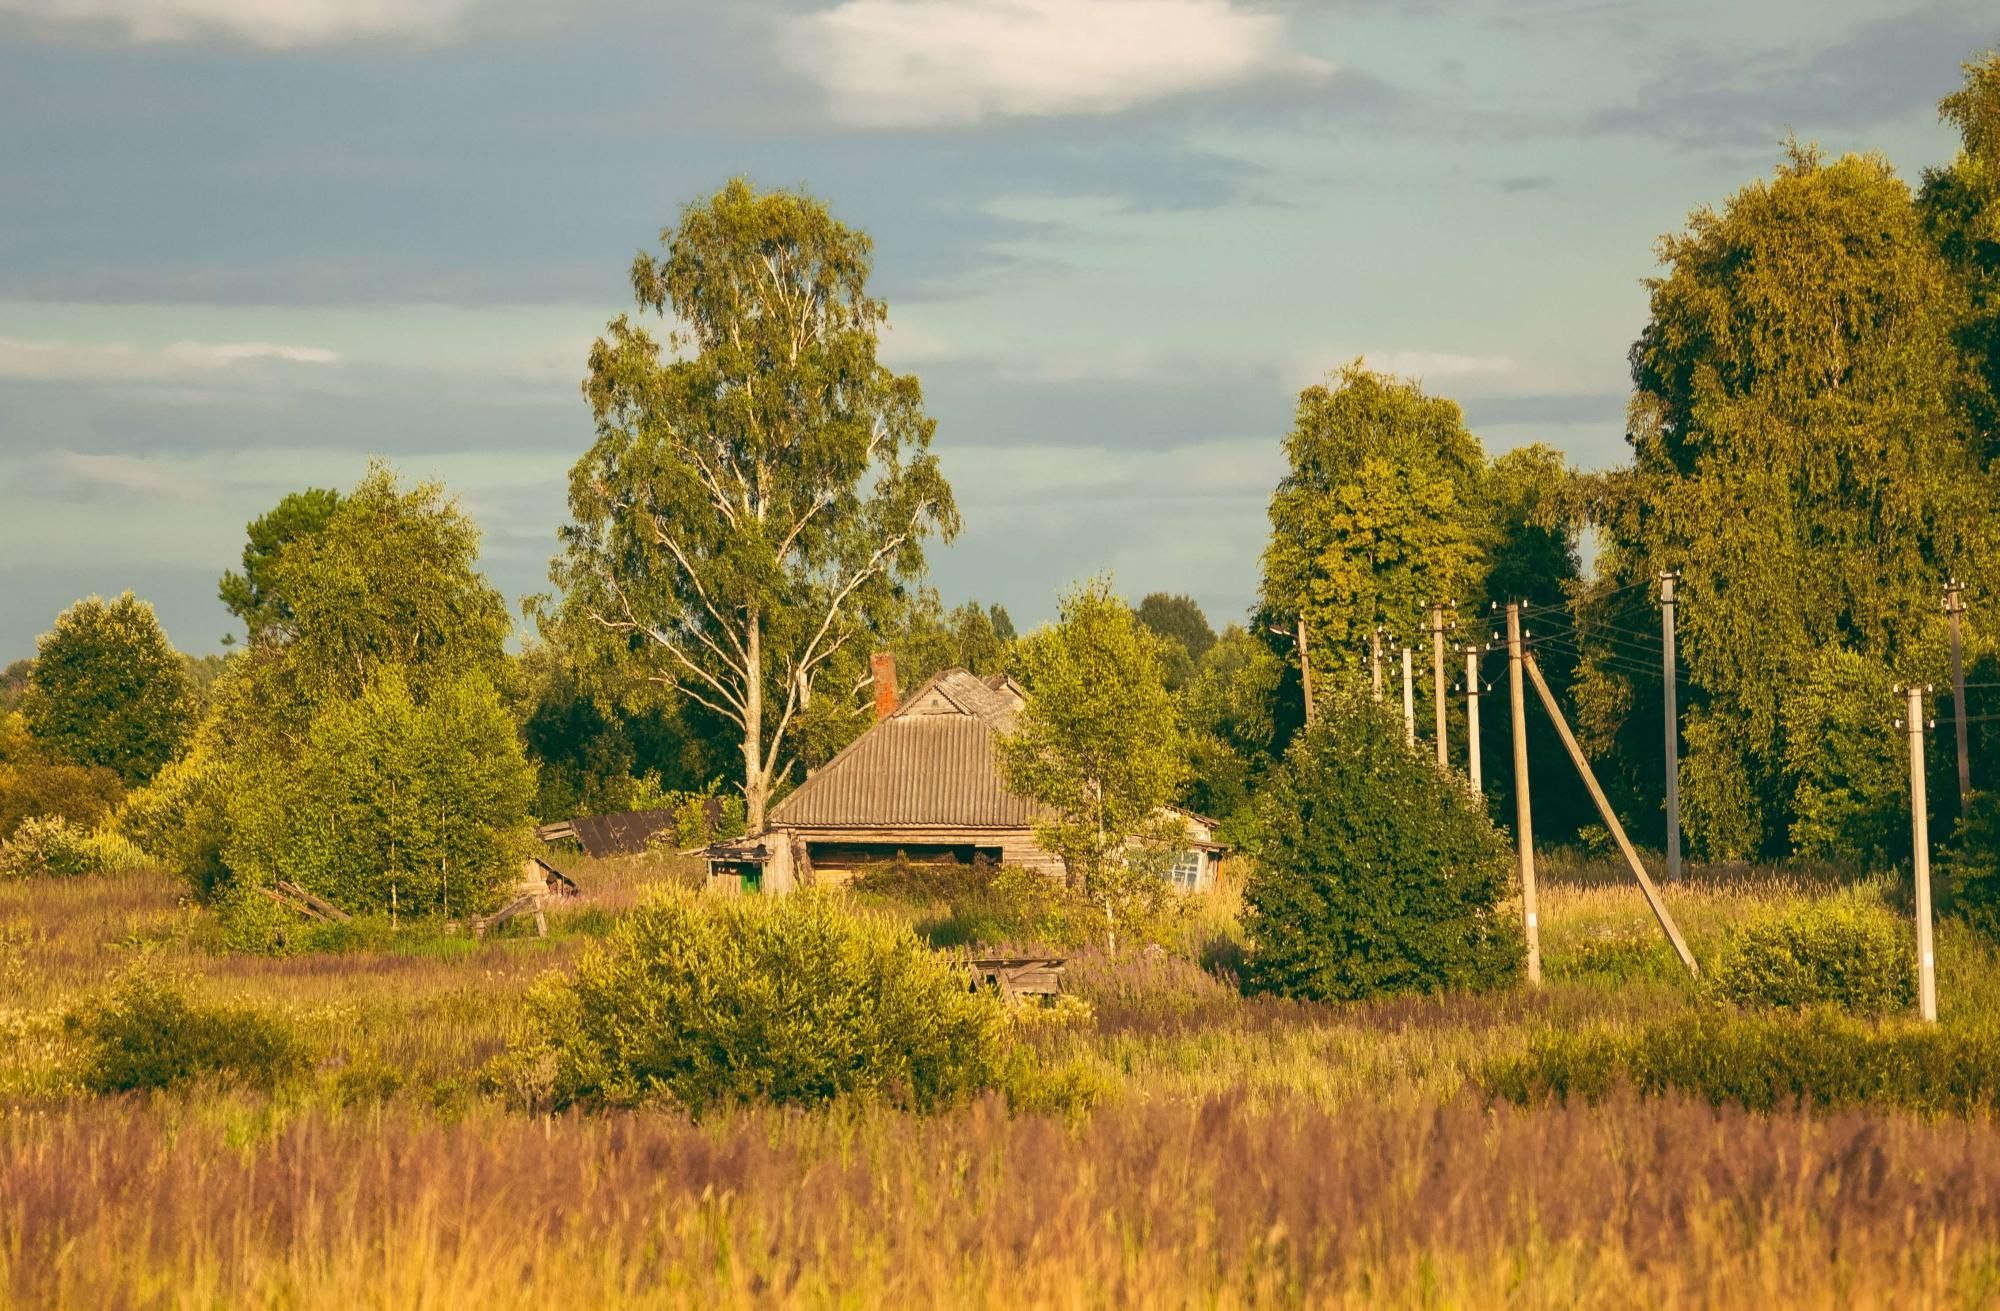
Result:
pixel 931 764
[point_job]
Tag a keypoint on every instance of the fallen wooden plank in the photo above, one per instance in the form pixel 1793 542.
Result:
pixel 325 908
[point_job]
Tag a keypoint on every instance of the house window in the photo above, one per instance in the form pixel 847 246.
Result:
pixel 1185 872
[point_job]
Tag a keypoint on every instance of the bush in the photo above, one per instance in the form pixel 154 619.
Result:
pixel 1848 951
pixel 1374 872
pixel 146 1034
pixel 704 1001
pixel 84 796
pixel 1770 1061
pixel 45 848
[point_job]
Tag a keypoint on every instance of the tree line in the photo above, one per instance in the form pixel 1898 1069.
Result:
pixel 1813 436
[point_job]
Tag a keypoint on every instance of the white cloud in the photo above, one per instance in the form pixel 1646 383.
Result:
pixel 125 473
pixel 944 63
pixel 22 357
pixel 274 24
pixel 1435 365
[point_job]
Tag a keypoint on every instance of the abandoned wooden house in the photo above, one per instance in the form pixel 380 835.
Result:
pixel 923 785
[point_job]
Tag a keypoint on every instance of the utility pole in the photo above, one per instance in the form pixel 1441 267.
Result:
pixel 1610 817
pixel 1437 679
pixel 1375 660
pixel 1954 606
pixel 1306 674
pixel 1524 837
pixel 1669 673
pixel 1472 714
pixel 1409 701
pixel 1920 848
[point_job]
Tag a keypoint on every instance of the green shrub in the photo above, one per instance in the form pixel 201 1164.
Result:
pixel 1765 1061
pixel 84 796
pixel 1374 872
pixel 49 847
pixel 1848 951
pixel 145 1034
pixel 704 1001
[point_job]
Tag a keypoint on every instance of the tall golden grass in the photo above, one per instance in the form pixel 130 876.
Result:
pixel 1159 1203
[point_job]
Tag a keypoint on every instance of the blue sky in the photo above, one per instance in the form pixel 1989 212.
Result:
pixel 246 244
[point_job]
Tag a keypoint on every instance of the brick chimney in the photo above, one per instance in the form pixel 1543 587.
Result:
pixel 883 663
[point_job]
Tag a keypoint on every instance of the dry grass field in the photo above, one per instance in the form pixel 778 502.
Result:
pixel 1174 1145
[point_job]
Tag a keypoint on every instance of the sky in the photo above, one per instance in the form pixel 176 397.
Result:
pixel 245 245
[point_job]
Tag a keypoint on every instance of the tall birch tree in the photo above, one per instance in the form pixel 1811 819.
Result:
pixel 757 489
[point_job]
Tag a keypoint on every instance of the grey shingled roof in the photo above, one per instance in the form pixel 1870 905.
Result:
pixel 918 769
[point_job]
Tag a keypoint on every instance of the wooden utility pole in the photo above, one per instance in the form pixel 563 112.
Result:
pixel 1524 835
pixel 1604 811
pixel 1375 660
pixel 1954 606
pixel 1409 701
pixel 1920 849
pixel 1472 715
pixel 1306 674
pixel 1437 679
pixel 1670 688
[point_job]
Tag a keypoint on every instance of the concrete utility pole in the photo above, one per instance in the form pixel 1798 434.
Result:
pixel 1524 836
pixel 1920 847
pixel 1306 674
pixel 1375 660
pixel 1670 688
pixel 1954 606
pixel 1437 679
pixel 1409 701
pixel 1472 715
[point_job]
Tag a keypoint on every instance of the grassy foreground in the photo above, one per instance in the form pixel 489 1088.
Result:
pixel 1177 1145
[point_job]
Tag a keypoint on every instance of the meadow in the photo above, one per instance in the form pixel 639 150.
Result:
pixel 1168 1142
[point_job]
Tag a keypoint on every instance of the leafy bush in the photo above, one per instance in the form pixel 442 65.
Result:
pixel 705 1001
pixel 1375 873
pixel 181 818
pixel 50 847
pixel 983 905
pixel 1847 951
pixel 146 1034
pixel 84 796
pixel 1764 1062
pixel 417 804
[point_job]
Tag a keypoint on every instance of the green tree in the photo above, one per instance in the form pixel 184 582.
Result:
pixel 250 595
pixel 1179 621
pixel 1374 873
pixel 1802 456
pixel 391 578
pixel 420 806
pixel 14 685
pixel 750 503
pixel 108 689
pixel 1960 205
pixel 1100 745
pixel 1379 515
pixel 1230 709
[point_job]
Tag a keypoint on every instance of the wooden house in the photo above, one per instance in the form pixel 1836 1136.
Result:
pixel 923 784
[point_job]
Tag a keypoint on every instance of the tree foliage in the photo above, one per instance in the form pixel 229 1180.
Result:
pixel 253 596
pixel 108 690
pixel 1100 745
pixel 1802 455
pixel 1378 515
pixel 1230 709
pixel 1374 872
pixel 393 802
pixel 751 500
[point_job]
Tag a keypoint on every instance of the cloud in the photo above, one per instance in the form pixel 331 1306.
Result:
pixel 26 358
pixel 1433 365
pixel 1878 71
pixel 272 24
pixel 951 63
pixel 82 475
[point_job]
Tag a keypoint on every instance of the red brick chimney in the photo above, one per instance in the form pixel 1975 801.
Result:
pixel 883 663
